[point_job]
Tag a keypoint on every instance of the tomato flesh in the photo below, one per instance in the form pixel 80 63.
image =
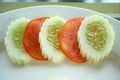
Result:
pixel 31 38
pixel 68 40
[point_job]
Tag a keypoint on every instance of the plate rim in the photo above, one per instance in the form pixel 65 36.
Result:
pixel 66 6
pixel 12 11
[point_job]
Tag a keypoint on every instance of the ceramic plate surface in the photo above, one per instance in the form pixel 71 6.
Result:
pixel 107 69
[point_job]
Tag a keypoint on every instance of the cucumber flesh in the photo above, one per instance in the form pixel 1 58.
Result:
pixel 49 39
pixel 13 41
pixel 96 37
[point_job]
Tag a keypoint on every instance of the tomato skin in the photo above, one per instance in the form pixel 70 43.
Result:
pixel 68 40
pixel 31 38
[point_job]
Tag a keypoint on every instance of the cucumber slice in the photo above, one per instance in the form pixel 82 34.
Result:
pixel 95 37
pixel 49 39
pixel 13 41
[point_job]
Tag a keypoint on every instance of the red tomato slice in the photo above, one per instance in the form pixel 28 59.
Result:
pixel 68 40
pixel 31 38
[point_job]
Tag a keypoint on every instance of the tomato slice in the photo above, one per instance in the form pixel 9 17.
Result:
pixel 68 40
pixel 30 39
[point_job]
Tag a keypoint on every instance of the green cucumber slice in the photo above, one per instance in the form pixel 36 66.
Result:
pixel 96 37
pixel 49 39
pixel 13 41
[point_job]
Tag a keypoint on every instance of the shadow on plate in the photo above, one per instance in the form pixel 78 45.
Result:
pixel 67 62
pixel 2 46
pixel 112 59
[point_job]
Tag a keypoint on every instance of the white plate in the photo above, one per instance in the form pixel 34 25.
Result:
pixel 107 69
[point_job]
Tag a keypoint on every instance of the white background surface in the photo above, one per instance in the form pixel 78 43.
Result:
pixel 107 69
